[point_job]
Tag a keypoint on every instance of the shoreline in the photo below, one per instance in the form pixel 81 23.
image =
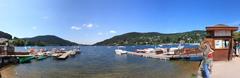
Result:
pixel 7 72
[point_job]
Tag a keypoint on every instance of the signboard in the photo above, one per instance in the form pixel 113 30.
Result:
pixel 218 44
pixel 221 44
pixel 222 33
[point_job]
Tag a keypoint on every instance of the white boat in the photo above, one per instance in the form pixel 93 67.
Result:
pixel 48 53
pixel 72 52
pixel 164 50
pixel 55 54
pixel 172 51
pixel 77 50
pixel 147 50
pixel 160 45
pixel 120 51
pixel 39 53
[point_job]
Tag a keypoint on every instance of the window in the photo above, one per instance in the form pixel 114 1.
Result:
pixel 221 44
pixel 222 33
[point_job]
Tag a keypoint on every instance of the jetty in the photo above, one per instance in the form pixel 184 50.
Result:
pixel 64 55
pixel 150 55
pixel 190 57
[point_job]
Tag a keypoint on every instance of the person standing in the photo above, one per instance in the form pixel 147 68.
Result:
pixel 207 57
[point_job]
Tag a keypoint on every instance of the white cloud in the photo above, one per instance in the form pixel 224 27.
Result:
pixel 112 32
pixel 34 27
pixel 88 25
pixel 85 26
pixel 76 28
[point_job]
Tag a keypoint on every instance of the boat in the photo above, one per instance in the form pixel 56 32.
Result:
pixel 56 54
pixel 120 51
pixel 172 51
pixel 40 57
pixel 72 52
pixel 77 50
pixel 160 50
pixel 160 45
pixel 25 59
pixel 48 53
pixel 147 50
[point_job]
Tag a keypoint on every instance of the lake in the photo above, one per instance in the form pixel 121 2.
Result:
pixel 102 62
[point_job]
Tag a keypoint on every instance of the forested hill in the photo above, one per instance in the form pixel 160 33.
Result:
pixel 49 40
pixel 5 35
pixel 154 38
pixel 45 40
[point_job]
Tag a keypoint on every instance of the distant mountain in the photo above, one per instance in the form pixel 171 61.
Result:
pixel 5 35
pixel 154 38
pixel 45 40
pixel 49 40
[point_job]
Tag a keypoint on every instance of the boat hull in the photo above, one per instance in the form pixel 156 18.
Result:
pixel 25 59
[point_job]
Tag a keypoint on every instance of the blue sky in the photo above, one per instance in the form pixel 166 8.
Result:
pixel 90 21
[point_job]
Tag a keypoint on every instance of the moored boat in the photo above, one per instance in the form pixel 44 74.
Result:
pixel 120 51
pixel 56 54
pixel 147 50
pixel 25 59
pixel 40 57
pixel 72 52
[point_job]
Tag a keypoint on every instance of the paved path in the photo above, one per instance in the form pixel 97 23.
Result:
pixel 226 69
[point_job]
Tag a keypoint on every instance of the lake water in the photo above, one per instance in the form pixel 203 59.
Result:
pixel 101 62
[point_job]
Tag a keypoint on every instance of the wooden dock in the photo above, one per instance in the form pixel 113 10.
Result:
pixel 64 55
pixel 190 57
pixel 150 55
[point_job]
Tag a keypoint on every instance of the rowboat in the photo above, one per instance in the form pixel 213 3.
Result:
pixel 40 57
pixel 25 59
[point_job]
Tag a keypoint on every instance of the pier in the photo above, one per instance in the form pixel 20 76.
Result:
pixel 64 55
pixel 190 57
pixel 150 55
